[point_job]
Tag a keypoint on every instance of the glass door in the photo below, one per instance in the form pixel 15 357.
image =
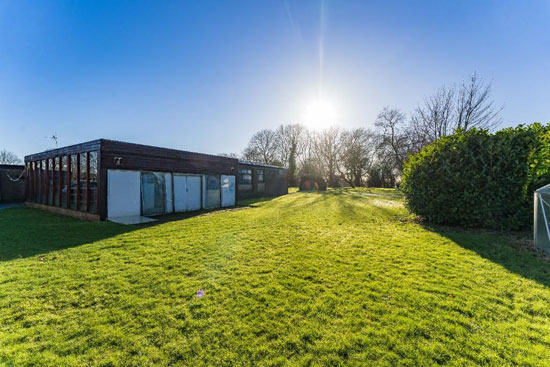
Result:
pixel 153 193
pixel 212 192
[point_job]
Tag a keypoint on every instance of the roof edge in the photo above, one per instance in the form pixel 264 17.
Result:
pixel 258 164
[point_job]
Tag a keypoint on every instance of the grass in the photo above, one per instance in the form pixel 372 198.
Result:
pixel 333 279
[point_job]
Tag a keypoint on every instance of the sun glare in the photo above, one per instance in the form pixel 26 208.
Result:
pixel 320 114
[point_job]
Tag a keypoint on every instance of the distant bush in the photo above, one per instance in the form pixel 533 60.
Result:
pixel 312 183
pixel 479 179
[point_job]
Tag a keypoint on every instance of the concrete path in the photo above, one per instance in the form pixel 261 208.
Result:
pixel 9 205
pixel 138 219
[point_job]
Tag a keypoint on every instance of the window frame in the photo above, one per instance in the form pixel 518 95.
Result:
pixel 242 174
pixel 261 173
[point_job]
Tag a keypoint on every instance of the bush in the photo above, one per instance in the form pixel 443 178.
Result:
pixel 478 179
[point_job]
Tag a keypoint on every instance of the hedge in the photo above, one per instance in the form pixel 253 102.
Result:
pixel 479 179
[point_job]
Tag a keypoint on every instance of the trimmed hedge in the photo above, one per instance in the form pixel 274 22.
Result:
pixel 479 179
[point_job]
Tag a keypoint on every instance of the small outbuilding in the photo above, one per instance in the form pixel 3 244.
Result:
pixel 106 179
pixel 12 183
pixel 258 180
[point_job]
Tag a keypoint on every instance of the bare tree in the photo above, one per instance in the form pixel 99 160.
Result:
pixel 309 162
pixel 327 148
pixel 358 148
pixel 289 138
pixel 354 155
pixel 434 118
pixel 393 140
pixel 474 106
pixel 7 157
pixel 290 145
pixel 308 147
pixel 262 147
pixel 450 109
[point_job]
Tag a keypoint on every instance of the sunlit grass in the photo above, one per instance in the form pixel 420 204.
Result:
pixel 331 279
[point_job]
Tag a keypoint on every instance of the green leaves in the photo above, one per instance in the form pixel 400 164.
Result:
pixel 479 179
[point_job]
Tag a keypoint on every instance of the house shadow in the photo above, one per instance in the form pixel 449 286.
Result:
pixel 26 232
pixel 513 251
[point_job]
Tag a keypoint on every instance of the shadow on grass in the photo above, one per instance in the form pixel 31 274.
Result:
pixel 512 251
pixel 26 232
pixel 252 201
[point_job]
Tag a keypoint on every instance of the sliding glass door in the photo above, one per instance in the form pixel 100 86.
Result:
pixel 153 193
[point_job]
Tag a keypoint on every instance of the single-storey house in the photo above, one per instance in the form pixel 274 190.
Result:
pixel 106 179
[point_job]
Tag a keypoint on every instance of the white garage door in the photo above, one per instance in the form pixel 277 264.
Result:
pixel 228 191
pixel 187 192
pixel 193 192
pixel 123 193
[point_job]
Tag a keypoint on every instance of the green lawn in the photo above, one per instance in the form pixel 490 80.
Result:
pixel 343 278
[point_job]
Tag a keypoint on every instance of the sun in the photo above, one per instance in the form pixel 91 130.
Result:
pixel 320 114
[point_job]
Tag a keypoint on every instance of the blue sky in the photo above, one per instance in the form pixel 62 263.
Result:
pixel 205 75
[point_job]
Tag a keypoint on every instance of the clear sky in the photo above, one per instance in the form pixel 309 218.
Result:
pixel 205 75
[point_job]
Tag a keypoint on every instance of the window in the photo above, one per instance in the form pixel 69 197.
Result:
pixel 63 192
pixel 73 183
pixel 51 180
pixel 245 176
pixel 93 183
pixel 153 193
pixel 36 181
pixel 58 182
pixel 213 183
pixel 67 181
pixel 82 183
pixel 43 185
pixel 260 176
pixel 36 193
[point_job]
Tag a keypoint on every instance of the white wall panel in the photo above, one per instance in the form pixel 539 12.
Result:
pixel 123 193
pixel 193 201
pixel 180 187
pixel 169 203
pixel 203 191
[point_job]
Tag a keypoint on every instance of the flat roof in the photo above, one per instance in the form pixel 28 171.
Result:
pixel 258 164
pixel 12 166
pixel 69 149
pixel 97 144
